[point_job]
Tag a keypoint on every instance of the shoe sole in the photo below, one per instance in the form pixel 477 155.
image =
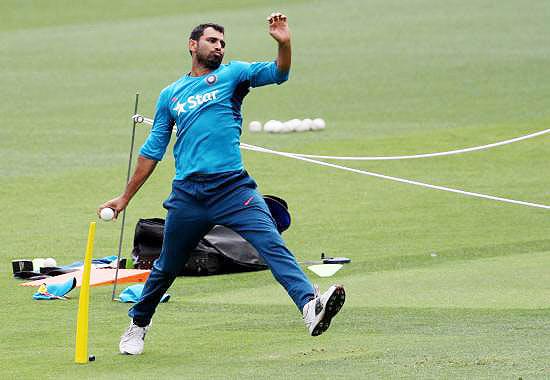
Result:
pixel 332 307
pixel 129 353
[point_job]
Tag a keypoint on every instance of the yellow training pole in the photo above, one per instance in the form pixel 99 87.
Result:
pixel 81 352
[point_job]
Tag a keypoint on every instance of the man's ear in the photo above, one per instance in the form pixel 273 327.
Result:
pixel 192 46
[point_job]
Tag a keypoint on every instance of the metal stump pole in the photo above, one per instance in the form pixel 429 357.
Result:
pixel 127 180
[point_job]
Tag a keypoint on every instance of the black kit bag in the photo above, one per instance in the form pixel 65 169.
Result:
pixel 220 251
pixel 147 242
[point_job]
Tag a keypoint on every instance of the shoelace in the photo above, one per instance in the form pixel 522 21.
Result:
pixel 132 332
pixel 316 291
pixel 318 304
pixel 316 299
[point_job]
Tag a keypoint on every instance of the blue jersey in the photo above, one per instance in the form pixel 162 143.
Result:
pixel 206 111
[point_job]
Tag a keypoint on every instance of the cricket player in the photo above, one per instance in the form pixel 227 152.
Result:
pixel 210 186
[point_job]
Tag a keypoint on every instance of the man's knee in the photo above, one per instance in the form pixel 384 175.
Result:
pixel 162 269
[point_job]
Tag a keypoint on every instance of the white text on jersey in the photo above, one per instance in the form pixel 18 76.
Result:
pixel 194 101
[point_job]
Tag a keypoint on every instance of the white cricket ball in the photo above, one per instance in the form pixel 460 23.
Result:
pixel 269 125
pixel 287 127
pixel 49 263
pixel 318 124
pixel 296 124
pixel 107 214
pixel 307 124
pixel 278 126
pixel 301 127
pixel 255 126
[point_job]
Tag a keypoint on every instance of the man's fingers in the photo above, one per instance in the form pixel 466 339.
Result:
pixel 99 211
pixel 112 204
pixel 276 17
pixel 101 208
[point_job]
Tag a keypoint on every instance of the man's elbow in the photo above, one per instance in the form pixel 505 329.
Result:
pixel 282 76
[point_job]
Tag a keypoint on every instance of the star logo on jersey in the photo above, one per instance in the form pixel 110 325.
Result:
pixel 179 107
pixel 211 79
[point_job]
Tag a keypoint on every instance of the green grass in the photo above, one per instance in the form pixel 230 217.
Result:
pixel 390 77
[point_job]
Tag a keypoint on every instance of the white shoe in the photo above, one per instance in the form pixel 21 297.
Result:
pixel 131 343
pixel 320 310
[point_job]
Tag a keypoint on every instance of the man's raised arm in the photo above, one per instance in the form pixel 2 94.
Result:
pixel 278 29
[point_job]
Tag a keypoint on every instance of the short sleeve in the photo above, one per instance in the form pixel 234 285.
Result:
pixel 259 73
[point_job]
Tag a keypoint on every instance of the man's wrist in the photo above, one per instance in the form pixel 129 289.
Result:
pixel 284 44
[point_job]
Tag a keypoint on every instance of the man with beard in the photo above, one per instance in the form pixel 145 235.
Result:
pixel 211 186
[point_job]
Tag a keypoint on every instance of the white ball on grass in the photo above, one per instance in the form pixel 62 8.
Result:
pixel 268 126
pixel 318 124
pixel 301 127
pixel 255 126
pixel 292 124
pixel 287 127
pixel 307 124
pixel 277 126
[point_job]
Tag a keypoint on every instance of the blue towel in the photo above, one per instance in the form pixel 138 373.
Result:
pixel 133 293
pixel 103 260
pixel 55 291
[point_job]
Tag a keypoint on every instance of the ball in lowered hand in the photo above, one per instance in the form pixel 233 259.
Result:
pixel 107 214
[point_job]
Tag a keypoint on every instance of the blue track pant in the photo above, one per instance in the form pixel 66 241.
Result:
pixel 195 205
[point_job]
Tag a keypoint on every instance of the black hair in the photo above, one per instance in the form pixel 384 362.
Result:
pixel 198 30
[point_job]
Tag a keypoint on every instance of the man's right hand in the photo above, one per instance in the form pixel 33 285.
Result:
pixel 144 168
pixel 118 204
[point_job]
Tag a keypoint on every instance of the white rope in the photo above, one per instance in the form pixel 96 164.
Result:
pixel 403 180
pixel 425 155
pixel 141 119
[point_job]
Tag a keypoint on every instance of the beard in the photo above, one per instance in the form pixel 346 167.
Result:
pixel 212 61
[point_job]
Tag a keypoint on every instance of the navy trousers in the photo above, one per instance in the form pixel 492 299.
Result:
pixel 195 205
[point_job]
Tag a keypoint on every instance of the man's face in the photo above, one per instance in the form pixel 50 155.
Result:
pixel 209 49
